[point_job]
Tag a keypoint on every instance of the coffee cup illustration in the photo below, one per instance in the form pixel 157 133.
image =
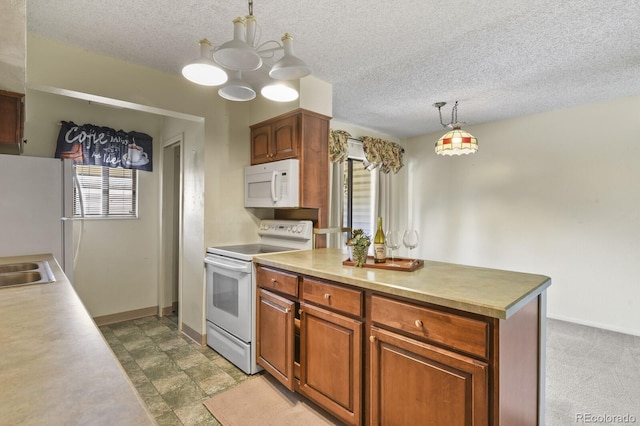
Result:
pixel 136 153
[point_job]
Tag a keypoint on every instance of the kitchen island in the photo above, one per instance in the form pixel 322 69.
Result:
pixel 445 344
pixel 55 366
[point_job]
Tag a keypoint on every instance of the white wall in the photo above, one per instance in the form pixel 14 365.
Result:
pixel 13 30
pixel 553 193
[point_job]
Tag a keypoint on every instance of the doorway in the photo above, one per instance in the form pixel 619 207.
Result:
pixel 171 229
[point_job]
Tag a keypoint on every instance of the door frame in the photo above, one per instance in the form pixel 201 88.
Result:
pixel 173 142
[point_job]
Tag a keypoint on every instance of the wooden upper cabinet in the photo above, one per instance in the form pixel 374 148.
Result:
pixel 277 140
pixel 11 122
pixel 303 135
pixel 285 138
pixel 260 145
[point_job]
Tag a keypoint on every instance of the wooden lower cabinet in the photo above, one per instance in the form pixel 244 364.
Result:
pixel 275 336
pixel 331 362
pixel 413 383
pixel 417 364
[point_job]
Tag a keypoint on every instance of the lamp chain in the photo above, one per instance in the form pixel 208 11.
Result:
pixel 454 113
pixel 250 7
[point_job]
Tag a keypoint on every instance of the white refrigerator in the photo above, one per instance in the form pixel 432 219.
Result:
pixel 36 201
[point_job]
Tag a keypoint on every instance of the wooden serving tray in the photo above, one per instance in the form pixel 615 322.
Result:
pixel 403 264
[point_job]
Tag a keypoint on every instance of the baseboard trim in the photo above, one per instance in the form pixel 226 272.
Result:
pixel 194 335
pixel 125 316
pixel 594 324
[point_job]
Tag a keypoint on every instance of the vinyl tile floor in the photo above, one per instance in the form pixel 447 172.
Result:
pixel 173 374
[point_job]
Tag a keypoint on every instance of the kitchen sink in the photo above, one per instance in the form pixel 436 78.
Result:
pixel 17 267
pixel 26 273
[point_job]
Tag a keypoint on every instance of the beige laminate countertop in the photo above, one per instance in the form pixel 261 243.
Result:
pixel 55 366
pixel 484 291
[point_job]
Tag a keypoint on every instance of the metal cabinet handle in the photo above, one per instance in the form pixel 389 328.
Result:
pixel 274 282
pixel 418 323
pixel 327 296
pixel 372 339
pixel 275 306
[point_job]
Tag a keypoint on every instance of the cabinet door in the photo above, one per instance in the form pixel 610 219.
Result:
pixel 11 119
pixel 331 362
pixel 285 138
pixel 416 383
pixel 260 142
pixel 275 336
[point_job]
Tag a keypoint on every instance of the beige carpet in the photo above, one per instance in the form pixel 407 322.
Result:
pixel 263 401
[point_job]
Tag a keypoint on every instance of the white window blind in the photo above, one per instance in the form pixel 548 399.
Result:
pixel 106 192
pixel 361 198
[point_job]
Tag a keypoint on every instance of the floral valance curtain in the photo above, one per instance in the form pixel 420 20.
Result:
pixel 338 147
pixel 379 152
pixel 102 146
pixel 387 154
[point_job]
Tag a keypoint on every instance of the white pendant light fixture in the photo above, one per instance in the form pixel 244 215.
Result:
pixel 203 70
pixel 236 54
pixel 290 67
pixel 246 59
pixel 279 91
pixel 237 90
pixel 456 141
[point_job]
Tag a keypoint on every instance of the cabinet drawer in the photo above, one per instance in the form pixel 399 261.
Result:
pixel 277 281
pixel 461 333
pixel 332 296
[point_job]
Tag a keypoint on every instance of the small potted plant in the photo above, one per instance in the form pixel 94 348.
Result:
pixel 359 246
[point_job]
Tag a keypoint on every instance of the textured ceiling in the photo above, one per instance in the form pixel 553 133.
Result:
pixel 389 61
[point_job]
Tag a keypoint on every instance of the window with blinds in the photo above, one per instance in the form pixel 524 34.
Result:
pixel 105 192
pixel 358 200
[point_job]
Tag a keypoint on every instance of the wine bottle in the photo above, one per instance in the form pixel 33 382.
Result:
pixel 379 248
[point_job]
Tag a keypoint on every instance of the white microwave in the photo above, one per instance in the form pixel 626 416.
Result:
pixel 274 185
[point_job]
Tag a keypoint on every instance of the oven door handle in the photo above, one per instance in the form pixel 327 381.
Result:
pixel 228 265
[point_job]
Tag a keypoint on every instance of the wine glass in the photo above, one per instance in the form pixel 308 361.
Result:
pixel 392 241
pixel 411 239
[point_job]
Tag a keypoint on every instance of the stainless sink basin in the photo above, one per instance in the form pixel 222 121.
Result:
pixel 26 273
pixel 17 267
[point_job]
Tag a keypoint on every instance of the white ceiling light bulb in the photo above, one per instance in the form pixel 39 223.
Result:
pixel 236 54
pixel 203 70
pixel 279 92
pixel 290 67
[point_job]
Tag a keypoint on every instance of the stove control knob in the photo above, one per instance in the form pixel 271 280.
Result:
pixel 299 228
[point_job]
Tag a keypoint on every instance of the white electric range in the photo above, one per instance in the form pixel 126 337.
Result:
pixel 231 288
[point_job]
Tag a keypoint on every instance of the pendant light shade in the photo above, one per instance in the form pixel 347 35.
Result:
pixel 290 67
pixel 279 92
pixel 236 54
pixel 456 141
pixel 237 90
pixel 203 70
